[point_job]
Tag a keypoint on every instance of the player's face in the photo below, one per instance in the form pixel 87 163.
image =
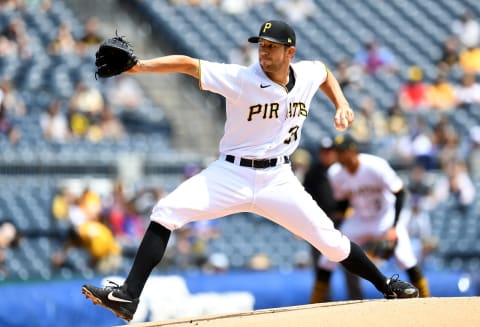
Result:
pixel 274 56
pixel 348 159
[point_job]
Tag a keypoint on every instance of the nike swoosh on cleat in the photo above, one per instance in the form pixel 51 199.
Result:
pixel 264 86
pixel 112 297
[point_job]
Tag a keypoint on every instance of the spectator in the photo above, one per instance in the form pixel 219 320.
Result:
pixel 91 36
pixel 423 149
pixel 412 95
pixel 235 7
pixel 296 10
pixel 455 185
pixel 348 75
pixel 88 233
pixel 441 94
pixel 473 156
pixel 54 123
pixel 9 238
pixel 123 217
pixel 374 58
pixel 64 42
pixel 468 92
pixel 86 107
pixel 7 128
pixel 8 49
pixel 243 55
pixel 15 32
pixel 467 30
pixel 446 141
pixel 111 128
pixel 470 60
pixel 124 94
pixel 417 183
pixel 450 57
pixel 94 237
pixel 11 99
pixel 370 122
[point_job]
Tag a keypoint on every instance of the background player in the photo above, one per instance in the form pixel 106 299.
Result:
pixel 374 191
pixel 266 106
pixel 317 184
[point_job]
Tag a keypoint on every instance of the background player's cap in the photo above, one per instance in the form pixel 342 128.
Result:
pixel 345 142
pixel 275 31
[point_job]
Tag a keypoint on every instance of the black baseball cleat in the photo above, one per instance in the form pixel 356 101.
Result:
pixel 397 289
pixel 114 298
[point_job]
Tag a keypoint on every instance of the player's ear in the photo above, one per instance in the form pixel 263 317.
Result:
pixel 291 51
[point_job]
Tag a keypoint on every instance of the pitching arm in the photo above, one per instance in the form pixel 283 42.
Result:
pixel 169 64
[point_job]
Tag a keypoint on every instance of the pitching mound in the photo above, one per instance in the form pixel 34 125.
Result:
pixel 430 312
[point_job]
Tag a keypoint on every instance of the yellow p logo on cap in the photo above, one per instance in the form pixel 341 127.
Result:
pixel 266 27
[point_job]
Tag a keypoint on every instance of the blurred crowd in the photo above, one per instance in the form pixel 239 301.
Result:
pixel 90 111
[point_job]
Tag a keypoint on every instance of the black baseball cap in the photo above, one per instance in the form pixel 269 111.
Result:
pixel 345 142
pixel 275 31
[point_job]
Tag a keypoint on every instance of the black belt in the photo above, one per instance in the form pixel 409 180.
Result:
pixel 257 163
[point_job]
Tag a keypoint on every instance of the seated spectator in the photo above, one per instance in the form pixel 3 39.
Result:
pixel 296 10
pixel 8 49
pixel 467 30
pixel 468 92
pixel 16 33
pixel 246 55
pixel 450 57
pixel 11 99
pixel 121 214
pixel 235 7
pixel 374 58
pixel 455 185
pixel 64 42
pixel 441 94
pixel 111 128
pixel 412 95
pixel 348 75
pixel 9 238
pixel 422 147
pixel 124 93
pixel 91 36
pixel 370 122
pixel 105 254
pixel 86 107
pixel 7 128
pixel 470 60
pixel 87 232
pixel 54 123
pixel 450 149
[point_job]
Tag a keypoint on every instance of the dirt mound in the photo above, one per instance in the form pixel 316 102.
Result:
pixel 428 312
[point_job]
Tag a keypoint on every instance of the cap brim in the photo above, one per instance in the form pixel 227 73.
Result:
pixel 255 39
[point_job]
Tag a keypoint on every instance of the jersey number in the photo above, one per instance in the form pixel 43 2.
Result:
pixel 293 131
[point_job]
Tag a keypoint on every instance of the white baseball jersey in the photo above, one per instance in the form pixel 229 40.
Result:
pixel 370 194
pixel 263 121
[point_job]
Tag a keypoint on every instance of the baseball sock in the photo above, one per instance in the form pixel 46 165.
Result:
pixel 419 281
pixel 149 254
pixel 359 264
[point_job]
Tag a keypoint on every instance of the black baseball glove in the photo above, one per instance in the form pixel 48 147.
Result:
pixel 382 249
pixel 114 56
